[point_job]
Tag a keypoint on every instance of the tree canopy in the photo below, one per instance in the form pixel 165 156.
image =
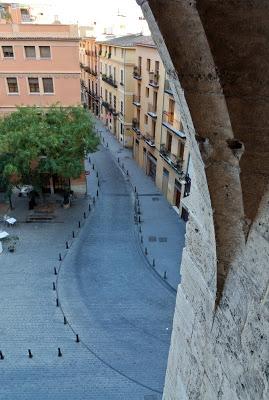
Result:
pixel 35 143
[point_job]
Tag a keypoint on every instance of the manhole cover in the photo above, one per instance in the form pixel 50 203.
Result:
pixel 152 238
pixel 155 199
pixel 162 239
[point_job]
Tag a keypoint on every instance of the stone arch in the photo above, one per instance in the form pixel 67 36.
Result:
pixel 216 54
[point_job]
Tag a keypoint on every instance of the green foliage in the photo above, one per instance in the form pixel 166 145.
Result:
pixel 36 142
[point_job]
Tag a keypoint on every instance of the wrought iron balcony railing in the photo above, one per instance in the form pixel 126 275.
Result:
pixel 152 110
pixel 136 100
pixel 137 72
pixel 154 79
pixel 171 123
pixel 109 80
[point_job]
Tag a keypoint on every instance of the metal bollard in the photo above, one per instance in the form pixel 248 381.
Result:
pixel 59 352
pixel 66 245
pixel 140 229
pixel 127 172
pixel 73 234
pixel 89 207
pixel 141 239
pixel 153 262
pixel 165 275
pixel 55 271
pixel 57 302
pixel 53 286
pixel 65 320
pixel 30 353
pixel 97 193
pixel 118 160
pixel 1 355
pixel 135 189
pixel 79 225
pixel 139 219
pixel 77 338
pixel 92 166
pixel 96 174
pixel 84 215
pixel 146 251
pixel 60 257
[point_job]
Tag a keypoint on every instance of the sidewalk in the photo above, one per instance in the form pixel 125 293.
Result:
pixel 162 231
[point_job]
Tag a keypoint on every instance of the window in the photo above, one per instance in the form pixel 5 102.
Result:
pixel 157 66
pixel 33 85
pixel 105 94
pixel 48 85
pixel 121 77
pixel 12 85
pixel 115 51
pixel 29 51
pixel 110 98
pixel 147 92
pixel 121 107
pixel 25 16
pixel 8 51
pixel 115 102
pixel 44 51
pixel 153 131
pixel 122 53
pixel 101 67
pixel 148 64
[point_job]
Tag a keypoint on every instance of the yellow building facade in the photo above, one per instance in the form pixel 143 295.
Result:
pixel 116 63
pixel 159 145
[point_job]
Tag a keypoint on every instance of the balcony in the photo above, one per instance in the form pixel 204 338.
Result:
pixel 167 87
pixel 109 108
pixel 136 126
pixel 137 72
pixel 149 140
pixel 136 100
pixel 152 110
pixel 175 162
pixel 109 80
pixel 154 79
pixel 172 124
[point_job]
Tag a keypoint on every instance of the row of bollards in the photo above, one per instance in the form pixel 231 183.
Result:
pixel 30 354
pixel 60 258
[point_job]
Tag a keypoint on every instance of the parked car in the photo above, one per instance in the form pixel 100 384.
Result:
pixel 25 190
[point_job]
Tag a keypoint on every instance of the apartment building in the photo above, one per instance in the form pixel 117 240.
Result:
pixel 89 64
pixel 39 62
pixel 159 145
pixel 116 62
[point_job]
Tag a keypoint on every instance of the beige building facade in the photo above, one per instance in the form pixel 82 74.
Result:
pixel 116 63
pixel 159 145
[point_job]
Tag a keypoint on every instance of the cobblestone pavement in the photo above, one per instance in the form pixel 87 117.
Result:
pixel 161 228
pixel 110 296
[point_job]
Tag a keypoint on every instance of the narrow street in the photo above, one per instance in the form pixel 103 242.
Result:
pixel 110 295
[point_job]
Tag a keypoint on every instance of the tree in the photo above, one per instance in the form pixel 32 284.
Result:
pixel 36 143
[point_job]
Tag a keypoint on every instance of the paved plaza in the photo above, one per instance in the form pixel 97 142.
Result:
pixel 107 290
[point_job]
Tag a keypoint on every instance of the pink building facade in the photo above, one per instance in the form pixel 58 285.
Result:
pixel 39 63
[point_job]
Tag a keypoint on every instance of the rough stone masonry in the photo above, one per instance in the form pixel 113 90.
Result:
pixel 216 54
